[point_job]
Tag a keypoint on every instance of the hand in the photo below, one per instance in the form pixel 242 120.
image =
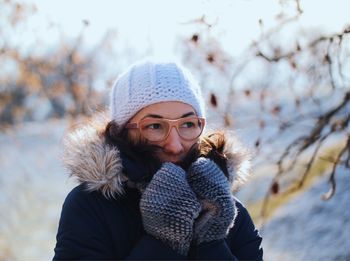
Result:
pixel 169 207
pixel 218 206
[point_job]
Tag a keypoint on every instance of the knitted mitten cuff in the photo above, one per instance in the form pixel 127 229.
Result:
pixel 218 206
pixel 169 207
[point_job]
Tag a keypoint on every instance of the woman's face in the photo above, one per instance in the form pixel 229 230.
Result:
pixel 173 148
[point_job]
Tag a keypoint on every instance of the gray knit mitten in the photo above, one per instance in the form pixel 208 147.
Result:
pixel 218 205
pixel 169 207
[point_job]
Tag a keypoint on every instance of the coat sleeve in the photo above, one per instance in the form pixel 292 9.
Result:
pixel 83 233
pixel 150 248
pixel 243 241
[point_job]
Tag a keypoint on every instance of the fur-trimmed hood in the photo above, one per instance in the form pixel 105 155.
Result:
pixel 91 161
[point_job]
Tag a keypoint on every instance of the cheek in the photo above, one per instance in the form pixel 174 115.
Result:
pixel 189 145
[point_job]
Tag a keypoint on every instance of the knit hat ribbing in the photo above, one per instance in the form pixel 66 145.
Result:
pixel 149 82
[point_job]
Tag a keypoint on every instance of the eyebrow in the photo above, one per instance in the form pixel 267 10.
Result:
pixel 161 117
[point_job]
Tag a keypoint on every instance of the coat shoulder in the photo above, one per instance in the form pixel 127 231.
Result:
pixel 93 226
pixel 95 201
pixel 81 197
pixel 82 207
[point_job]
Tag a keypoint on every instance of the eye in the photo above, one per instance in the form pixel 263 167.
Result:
pixel 155 126
pixel 188 124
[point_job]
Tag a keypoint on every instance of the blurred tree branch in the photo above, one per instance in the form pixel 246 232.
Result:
pixel 64 76
pixel 315 97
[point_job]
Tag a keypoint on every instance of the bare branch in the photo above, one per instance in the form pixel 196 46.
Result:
pixel 312 44
pixel 328 58
pixel 331 191
pixel 299 10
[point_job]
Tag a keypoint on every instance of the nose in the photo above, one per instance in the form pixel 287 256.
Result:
pixel 173 143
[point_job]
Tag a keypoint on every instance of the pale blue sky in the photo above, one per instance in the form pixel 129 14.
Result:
pixel 156 23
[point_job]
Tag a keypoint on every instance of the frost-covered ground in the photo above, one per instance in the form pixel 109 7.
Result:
pixel 33 185
pixel 308 228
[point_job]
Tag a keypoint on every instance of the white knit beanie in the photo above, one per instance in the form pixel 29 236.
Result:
pixel 149 82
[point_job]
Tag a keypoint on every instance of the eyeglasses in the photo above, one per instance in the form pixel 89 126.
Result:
pixel 158 129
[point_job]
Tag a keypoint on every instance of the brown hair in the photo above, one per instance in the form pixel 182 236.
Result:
pixel 212 146
pixel 140 152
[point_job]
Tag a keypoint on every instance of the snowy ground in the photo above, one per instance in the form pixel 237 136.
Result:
pixel 308 228
pixel 33 185
pixel 32 188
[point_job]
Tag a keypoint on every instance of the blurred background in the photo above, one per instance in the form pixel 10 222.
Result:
pixel 277 73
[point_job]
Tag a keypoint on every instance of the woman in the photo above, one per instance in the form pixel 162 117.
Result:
pixel 152 186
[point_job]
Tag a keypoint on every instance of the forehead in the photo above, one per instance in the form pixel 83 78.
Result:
pixel 169 110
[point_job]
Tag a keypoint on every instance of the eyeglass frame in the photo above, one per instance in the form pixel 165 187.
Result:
pixel 172 123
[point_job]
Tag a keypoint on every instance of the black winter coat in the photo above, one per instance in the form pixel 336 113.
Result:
pixel 101 220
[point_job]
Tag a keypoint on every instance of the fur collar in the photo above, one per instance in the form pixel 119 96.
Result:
pixel 91 161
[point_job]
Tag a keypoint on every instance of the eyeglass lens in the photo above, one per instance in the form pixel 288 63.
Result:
pixel 158 129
